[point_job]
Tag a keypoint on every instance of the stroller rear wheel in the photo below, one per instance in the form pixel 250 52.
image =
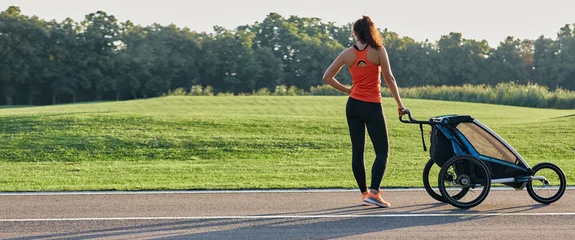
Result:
pixel 432 189
pixel 464 174
pixel 548 183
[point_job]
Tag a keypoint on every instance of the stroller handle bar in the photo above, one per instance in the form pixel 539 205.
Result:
pixel 413 121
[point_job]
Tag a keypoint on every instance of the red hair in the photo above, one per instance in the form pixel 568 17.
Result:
pixel 366 32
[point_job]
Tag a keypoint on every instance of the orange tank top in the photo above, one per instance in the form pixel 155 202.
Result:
pixel 365 77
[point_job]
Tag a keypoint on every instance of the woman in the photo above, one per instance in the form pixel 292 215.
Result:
pixel 366 60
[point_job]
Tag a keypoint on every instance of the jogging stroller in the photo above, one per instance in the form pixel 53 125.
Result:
pixel 472 157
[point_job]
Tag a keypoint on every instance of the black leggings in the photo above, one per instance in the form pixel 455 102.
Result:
pixel 360 115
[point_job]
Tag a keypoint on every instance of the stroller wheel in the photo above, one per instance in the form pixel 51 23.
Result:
pixel 464 181
pixel 430 174
pixel 547 184
pixel 435 194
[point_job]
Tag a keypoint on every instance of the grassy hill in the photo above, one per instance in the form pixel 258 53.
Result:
pixel 239 142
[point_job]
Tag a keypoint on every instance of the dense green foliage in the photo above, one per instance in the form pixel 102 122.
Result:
pixel 100 58
pixel 503 93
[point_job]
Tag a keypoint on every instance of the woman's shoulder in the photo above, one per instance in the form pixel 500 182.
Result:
pixel 381 49
pixel 349 51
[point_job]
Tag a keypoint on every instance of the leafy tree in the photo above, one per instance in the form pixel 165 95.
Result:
pixel 99 36
pixel 506 62
pixel 21 45
pixel 98 58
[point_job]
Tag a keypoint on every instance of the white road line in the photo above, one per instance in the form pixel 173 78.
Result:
pixel 227 191
pixel 293 217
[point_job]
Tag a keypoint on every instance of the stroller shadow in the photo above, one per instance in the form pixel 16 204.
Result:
pixel 280 228
pixel 518 209
pixel 355 220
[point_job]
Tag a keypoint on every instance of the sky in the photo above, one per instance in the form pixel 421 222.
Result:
pixel 492 20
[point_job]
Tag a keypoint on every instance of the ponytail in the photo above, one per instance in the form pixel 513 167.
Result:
pixel 367 33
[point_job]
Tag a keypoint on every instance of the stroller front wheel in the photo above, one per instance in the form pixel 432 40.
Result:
pixel 548 183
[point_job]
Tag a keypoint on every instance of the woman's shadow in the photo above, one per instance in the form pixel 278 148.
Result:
pixel 347 221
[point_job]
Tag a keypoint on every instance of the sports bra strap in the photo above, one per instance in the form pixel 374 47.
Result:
pixel 357 48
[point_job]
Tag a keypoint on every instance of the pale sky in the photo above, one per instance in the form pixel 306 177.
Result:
pixel 492 20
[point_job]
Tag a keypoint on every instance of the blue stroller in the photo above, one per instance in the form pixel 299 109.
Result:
pixel 472 157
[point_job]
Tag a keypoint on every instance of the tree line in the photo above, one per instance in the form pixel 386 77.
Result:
pixel 100 58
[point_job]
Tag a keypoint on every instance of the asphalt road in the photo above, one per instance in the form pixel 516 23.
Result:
pixel 329 214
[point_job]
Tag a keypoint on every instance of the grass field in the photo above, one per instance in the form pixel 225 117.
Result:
pixel 239 143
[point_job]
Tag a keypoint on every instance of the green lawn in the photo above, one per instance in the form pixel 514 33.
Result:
pixel 239 142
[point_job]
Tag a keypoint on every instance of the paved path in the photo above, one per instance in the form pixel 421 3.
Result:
pixel 279 215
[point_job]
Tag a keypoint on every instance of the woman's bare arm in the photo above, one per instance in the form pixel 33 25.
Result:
pixel 333 70
pixel 390 79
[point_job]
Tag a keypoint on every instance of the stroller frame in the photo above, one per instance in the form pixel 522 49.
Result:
pixel 514 171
